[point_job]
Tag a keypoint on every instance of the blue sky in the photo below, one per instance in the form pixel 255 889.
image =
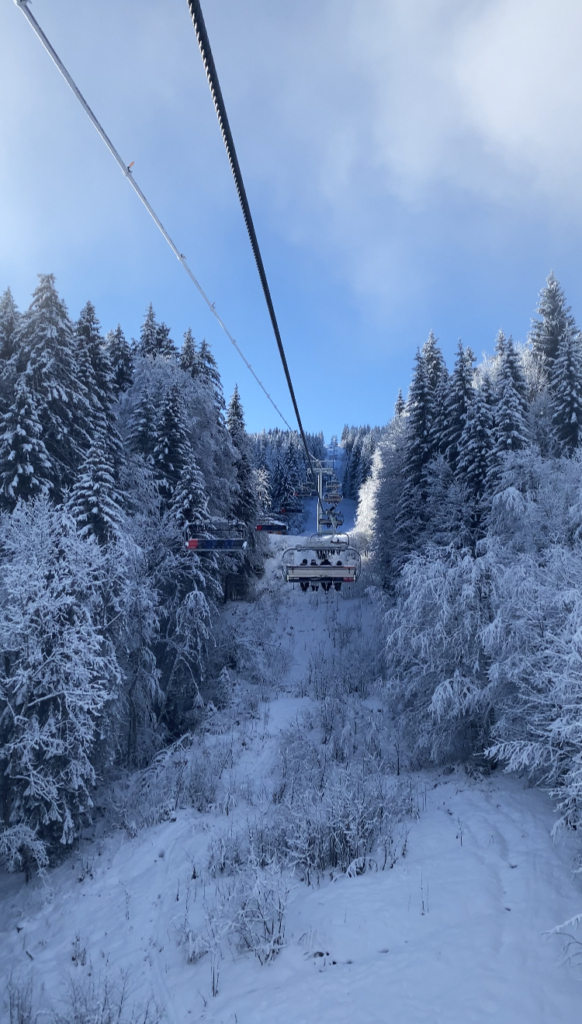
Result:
pixel 411 165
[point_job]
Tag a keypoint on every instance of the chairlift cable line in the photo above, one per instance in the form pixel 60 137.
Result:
pixel 220 107
pixel 126 170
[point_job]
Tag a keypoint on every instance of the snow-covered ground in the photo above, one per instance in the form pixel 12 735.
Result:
pixel 456 932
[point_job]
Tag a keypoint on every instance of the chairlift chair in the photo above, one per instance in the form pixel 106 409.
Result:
pixel 228 535
pixel 325 561
pixel 266 525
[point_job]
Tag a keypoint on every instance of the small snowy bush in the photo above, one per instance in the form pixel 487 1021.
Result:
pixel 255 902
pixel 103 1001
pixel 186 774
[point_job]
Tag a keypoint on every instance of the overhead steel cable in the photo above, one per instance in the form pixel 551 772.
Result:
pixel 23 5
pixel 220 107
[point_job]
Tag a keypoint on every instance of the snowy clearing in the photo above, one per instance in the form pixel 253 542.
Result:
pixel 455 932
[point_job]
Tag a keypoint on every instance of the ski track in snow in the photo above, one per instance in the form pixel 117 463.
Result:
pixel 454 933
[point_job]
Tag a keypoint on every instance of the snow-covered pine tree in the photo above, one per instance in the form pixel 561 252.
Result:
pixel 189 503
pixel 94 367
pixel 352 472
pixel 364 470
pixel 244 506
pixel 25 467
pixel 459 394
pixel 510 433
pixel 207 370
pixel 283 485
pixel 58 672
pixel 95 502
pixel 476 442
pixel 211 441
pixel 96 374
pixel 400 406
pixel 437 377
pixel 566 390
pixel 172 449
pixel 121 360
pixel 555 320
pixel 45 347
pixel 147 345
pixel 262 479
pixel 418 450
pixel 383 491
pixel 165 347
pixel 9 319
pixel 188 356
pixel 142 422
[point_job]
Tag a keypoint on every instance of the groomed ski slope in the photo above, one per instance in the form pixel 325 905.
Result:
pixel 454 933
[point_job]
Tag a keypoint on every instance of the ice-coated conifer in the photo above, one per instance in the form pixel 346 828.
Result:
pixel 459 394
pixel 476 443
pixel 188 355
pixel 244 505
pixel 94 502
pixel 25 466
pixel 172 450
pixel 147 345
pixel 45 347
pixel 121 359
pixel 566 390
pixel 555 321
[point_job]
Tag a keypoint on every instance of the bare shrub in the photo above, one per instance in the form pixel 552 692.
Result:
pixel 187 774
pixel 18 1001
pixel 103 1001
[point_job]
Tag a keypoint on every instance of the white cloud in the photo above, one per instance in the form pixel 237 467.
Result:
pixel 362 128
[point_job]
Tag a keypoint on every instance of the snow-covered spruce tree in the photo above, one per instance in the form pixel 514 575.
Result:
pixel 364 470
pixel 437 377
pixel 142 423
pixel 285 478
pixel 95 502
pixel 96 374
pixel 262 485
pixel 121 360
pixel 189 503
pixel 400 406
pixel 206 368
pixel 566 391
pixel 213 448
pixel 9 319
pixel 378 505
pixel 459 394
pixel 172 450
pixel 138 638
pixel 510 433
pixel 165 347
pixel 147 345
pixel 57 673
pixel 476 447
pixel 94 368
pixel 45 348
pixel 187 357
pixel 418 451
pixel 244 506
pixel 25 466
pixel 555 320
